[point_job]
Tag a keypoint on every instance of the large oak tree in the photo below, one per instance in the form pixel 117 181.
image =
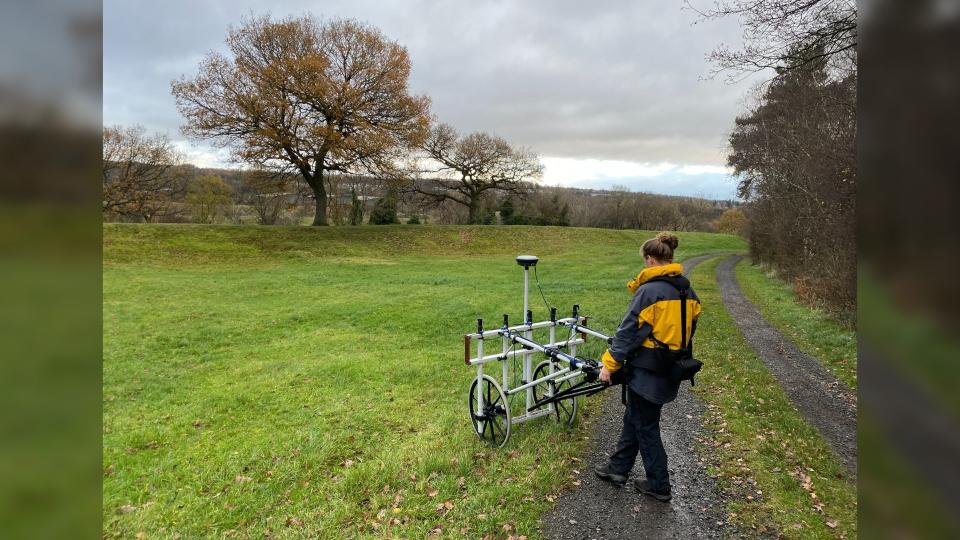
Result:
pixel 463 168
pixel 307 96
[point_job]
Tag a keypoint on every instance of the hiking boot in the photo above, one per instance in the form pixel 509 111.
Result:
pixel 644 487
pixel 612 477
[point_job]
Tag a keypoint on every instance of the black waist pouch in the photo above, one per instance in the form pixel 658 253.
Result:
pixel 678 365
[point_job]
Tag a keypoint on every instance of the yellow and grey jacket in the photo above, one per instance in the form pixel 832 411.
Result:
pixel 654 309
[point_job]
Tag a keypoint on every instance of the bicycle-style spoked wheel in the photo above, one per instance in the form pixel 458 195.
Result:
pixel 565 409
pixel 491 418
pixel 542 390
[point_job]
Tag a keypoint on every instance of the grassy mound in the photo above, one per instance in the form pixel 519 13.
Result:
pixel 310 381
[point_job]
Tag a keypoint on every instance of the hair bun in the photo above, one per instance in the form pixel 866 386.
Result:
pixel 669 239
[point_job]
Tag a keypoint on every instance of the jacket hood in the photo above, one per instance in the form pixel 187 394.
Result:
pixel 645 275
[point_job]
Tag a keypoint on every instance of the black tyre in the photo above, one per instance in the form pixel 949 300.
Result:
pixel 565 409
pixel 491 419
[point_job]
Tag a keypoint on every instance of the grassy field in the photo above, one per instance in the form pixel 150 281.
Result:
pixel 811 330
pixel 782 474
pixel 301 381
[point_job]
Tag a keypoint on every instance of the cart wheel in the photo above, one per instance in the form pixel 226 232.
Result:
pixel 566 409
pixel 491 421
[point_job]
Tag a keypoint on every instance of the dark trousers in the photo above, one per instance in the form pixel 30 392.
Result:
pixel 641 433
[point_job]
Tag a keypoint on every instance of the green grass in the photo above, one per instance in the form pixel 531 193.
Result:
pixel 813 331
pixel 762 451
pixel 923 349
pixel 895 502
pixel 252 383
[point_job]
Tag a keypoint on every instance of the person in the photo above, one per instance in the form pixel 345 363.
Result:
pixel 653 316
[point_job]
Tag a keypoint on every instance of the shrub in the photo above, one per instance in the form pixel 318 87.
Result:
pixel 385 210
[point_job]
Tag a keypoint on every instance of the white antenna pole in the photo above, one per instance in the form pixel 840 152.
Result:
pixel 526 261
pixel 526 291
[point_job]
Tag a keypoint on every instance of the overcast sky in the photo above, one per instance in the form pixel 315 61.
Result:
pixel 608 93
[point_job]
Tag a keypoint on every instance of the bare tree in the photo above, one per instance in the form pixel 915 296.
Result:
pixel 142 176
pixel 209 197
pixel 795 154
pixel 786 34
pixel 306 96
pixel 462 169
pixel 270 194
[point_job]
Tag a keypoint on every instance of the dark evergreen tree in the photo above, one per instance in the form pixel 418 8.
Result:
pixel 385 210
pixel 356 208
pixel 507 210
pixel 488 216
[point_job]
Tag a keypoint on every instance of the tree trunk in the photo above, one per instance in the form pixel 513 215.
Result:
pixel 474 216
pixel 320 199
pixel 320 212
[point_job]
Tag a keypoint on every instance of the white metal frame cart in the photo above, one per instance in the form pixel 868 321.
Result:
pixel 552 386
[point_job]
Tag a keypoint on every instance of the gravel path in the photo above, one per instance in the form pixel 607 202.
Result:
pixel 827 403
pixel 597 509
pixel 914 421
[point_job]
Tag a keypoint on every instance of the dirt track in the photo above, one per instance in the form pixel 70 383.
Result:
pixel 597 509
pixel 825 402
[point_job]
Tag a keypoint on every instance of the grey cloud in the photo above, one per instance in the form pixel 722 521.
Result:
pixel 617 80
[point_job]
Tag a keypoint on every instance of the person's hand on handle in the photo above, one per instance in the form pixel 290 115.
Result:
pixel 605 375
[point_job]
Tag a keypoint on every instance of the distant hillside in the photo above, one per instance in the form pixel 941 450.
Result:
pixel 542 205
